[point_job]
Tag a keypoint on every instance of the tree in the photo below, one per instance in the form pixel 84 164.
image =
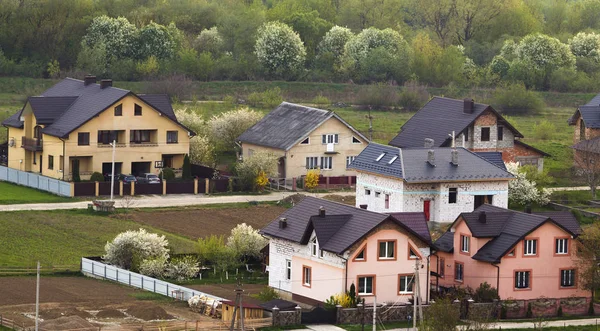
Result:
pixel 585 45
pixel 472 16
pixel 310 27
pixel 588 251
pixel 187 168
pixel 522 191
pixel 542 52
pixel 246 242
pixel 334 41
pixel 117 34
pixel 154 40
pixel 202 151
pixel 209 40
pixel 279 49
pixel 93 60
pixel 130 248
pixel 587 160
pixel 248 170
pixel 438 16
pixel 225 128
pixel 210 248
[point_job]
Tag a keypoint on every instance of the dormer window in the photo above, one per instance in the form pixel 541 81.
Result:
pixel 380 157
pixel 314 247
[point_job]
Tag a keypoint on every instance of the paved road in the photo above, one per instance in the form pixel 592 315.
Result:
pixel 166 201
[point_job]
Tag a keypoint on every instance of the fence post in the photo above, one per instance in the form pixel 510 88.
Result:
pixel 275 316
pixel 132 188
pixel 120 188
pixel 97 188
pixel 117 270
pixel 105 271
pixel 195 185
pixel 72 189
pixel 129 279
pixel 206 185
pixel 349 180
pixel 164 192
pixel 298 315
pixel 327 182
pixel 294 184
pixel 93 268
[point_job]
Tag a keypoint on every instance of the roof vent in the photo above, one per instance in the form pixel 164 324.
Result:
pixel 454 154
pixel 89 79
pixel 482 217
pixel 282 223
pixel 431 157
pixel 469 104
pixel 105 83
pixel 429 143
pixel 321 211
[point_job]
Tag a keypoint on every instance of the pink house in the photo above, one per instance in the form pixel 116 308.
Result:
pixel 524 256
pixel 320 248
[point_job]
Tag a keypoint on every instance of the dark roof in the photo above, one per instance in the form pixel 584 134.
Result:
pixel 591 145
pixel 244 304
pixel 279 303
pixel 445 243
pixel 412 166
pixel 595 101
pixel 506 228
pixel 493 157
pixel 69 104
pixel 14 120
pixel 518 142
pixel 590 116
pixel 415 221
pixel 286 125
pixel 350 224
pixel 437 119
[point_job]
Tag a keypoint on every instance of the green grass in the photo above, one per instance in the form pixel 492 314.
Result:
pixel 572 198
pixel 389 325
pixel 568 328
pixel 12 194
pixel 63 237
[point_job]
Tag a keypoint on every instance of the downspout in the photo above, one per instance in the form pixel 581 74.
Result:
pixel 64 158
pixel 345 272
pixel 428 281
pixel 497 279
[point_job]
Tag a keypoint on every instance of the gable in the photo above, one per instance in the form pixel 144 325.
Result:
pixel 333 125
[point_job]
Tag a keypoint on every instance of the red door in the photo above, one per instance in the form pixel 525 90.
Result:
pixel 426 204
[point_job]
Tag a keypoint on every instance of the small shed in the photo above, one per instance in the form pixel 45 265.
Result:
pixel 251 311
pixel 283 305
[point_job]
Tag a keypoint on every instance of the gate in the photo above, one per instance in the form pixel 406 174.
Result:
pixel 319 315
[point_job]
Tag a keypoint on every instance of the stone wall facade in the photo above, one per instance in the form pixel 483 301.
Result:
pixel 286 318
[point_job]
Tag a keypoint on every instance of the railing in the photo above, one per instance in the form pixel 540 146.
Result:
pixel 101 145
pixel 133 144
pixel 31 144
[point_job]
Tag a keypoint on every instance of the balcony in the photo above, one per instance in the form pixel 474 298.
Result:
pixel 119 145
pixel 32 144
pixel 142 144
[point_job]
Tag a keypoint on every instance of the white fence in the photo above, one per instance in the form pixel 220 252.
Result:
pixel 93 268
pixel 36 181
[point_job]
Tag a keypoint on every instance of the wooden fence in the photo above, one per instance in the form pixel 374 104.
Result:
pixel 16 271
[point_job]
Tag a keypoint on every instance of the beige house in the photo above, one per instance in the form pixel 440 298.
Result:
pixel 305 138
pixel 72 124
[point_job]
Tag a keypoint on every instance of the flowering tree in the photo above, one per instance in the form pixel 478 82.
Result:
pixel 155 40
pixel 252 166
pixel 544 52
pixel 586 45
pixel 334 41
pixel 522 191
pixel 246 241
pixel 209 40
pixel 130 248
pixel 499 66
pixel 202 151
pixel 226 127
pixel 358 48
pixel 279 49
pixel 117 34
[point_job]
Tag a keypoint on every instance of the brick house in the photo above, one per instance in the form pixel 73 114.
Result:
pixel 524 256
pixel 441 182
pixel 586 133
pixel 319 248
pixel 477 127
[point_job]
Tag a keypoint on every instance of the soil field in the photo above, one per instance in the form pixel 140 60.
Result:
pixel 197 223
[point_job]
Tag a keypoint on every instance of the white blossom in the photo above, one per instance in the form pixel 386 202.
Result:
pixel 279 48
pixel 543 51
pixel 334 41
pixel 522 191
pixel 135 245
pixel 246 241
pixel 586 45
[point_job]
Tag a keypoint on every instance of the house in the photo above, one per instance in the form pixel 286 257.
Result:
pixel 477 127
pixel 524 256
pixel 305 138
pixel 442 182
pixel 72 124
pixel 320 248
pixel 586 137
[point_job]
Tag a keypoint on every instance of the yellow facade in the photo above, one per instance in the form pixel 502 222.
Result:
pixel 58 155
pixel 293 162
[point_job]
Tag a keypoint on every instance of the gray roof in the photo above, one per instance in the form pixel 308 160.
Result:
pixel 445 243
pixel 342 226
pixel 595 101
pixel 69 104
pixel 14 120
pixel 411 164
pixel 415 221
pixel 590 116
pixel 590 145
pixel 493 157
pixel 437 119
pixel 286 125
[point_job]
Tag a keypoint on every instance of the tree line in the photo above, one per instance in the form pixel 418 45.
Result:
pixel 541 44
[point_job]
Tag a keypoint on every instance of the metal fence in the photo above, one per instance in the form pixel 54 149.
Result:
pixel 35 181
pixel 98 269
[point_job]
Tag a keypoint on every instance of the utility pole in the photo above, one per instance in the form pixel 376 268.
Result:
pixel 238 305
pixel 112 173
pixel 375 313
pixel 370 118
pixel 37 298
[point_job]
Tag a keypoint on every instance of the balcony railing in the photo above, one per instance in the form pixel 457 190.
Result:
pixel 143 144
pixel 101 145
pixel 32 144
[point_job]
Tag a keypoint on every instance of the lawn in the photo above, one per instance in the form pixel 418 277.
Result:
pixel 12 194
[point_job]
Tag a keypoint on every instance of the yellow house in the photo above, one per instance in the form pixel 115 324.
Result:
pixel 72 125
pixel 305 138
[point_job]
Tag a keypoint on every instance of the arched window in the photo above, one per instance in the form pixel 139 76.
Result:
pixel 37 132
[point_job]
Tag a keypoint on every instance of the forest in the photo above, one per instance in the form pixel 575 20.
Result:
pixel 540 44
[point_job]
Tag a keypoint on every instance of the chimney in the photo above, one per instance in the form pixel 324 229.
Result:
pixel 482 217
pixel 431 157
pixel 429 143
pixel 282 223
pixel 528 209
pixel 89 79
pixel 469 104
pixel 321 211
pixel 105 83
pixel 454 154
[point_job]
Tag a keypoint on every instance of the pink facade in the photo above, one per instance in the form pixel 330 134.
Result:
pixel 543 268
pixel 327 280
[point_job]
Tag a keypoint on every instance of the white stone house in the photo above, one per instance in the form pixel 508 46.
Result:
pixel 441 182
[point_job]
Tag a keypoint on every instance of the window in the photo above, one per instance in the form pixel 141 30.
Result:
pixel 312 162
pixel 387 250
pixel 288 269
pixel 106 136
pixel 562 246
pixel 442 270
pixel 380 157
pixel 329 138
pixel 137 110
pixel 139 136
pixel 465 242
pixel 306 275
pixel 61 161
pixel 377 194
pixel 356 140
pixel 511 253
pixel 305 141
pixel 567 278
pixel 119 110
pixel 366 285
pixel 405 283
pixel 522 279
pixel 37 132
pixel 530 247
pixel 50 162
pixel 412 253
pixel 393 159
pixel 485 134
pixel 459 270
pixel 83 138
pixel 367 191
pixel 387 201
pixel 361 256
pixel 466 134
pixel 326 163
pixel 500 133
pixel 314 247
pixel 452 194
pixel 349 160
pixel 172 137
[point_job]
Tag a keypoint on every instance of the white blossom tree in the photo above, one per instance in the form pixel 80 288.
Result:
pixel 117 34
pixel 252 166
pixel 586 45
pixel 279 49
pixel 155 40
pixel 245 241
pixel 334 41
pixel 226 127
pixel 130 248
pixel 544 52
pixel 209 40
pixel 522 191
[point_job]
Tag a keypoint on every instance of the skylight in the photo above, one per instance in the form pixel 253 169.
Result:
pixel 380 157
pixel 393 159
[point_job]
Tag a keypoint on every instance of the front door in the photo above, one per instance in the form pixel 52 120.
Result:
pixel 281 167
pixel 75 166
pixel 427 208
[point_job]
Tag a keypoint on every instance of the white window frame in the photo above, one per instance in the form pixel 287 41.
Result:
pixel 566 274
pixel 520 279
pixel 365 285
pixel 387 248
pixel 306 141
pixel 465 243
pixel 349 160
pixel 307 275
pixel 330 138
pixel 356 140
pixel 288 269
pixel 562 246
pixel 407 280
pixel 314 247
pixel 312 162
pixel 530 247
pixel 326 162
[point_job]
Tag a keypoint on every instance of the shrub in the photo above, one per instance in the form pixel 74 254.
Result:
pixel 441 316
pixel 413 96
pixel 311 180
pixel 176 86
pixel 529 313
pixel 269 98
pixel 261 181
pixel 182 268
pixel 187 168
pixel 167 174
pixel 267 294
pixel 246 241
pixel 342 299
pixel 378 96
pixel 153 267
pixel 559 312
pixel 485 293
pixel 252 166
pixel 321 100
pixel 96 177
pixel 544 130
pixel 130 248
pixel 516 99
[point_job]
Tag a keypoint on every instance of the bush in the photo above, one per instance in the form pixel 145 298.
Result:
pixel 130 248
pixel 516 99
pixel 267 294
pixel 544 130
pixel 269 99
pixel 441 316
pixel 261 181
pixel 311 180
pixel 167 174
pixel 252 166
pixel 570 80
pixel 96 177
pixel 485 293
pixel 378 96
pixel 182 268
pixel 413 96
pixel 342 299
pixel 210 248
pixel 227 127
pixel 153 267
pixel 321 100
pixel 187 168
